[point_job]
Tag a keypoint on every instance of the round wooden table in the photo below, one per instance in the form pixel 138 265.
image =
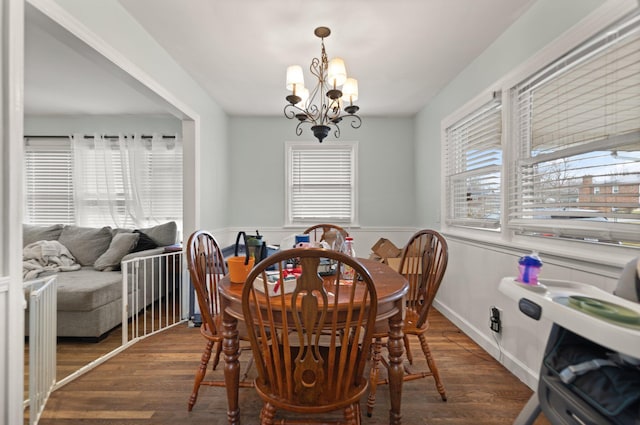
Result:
pixel 391 287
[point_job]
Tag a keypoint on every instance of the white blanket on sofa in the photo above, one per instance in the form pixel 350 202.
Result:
pixel 41 256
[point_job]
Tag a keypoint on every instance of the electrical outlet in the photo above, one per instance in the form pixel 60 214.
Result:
pixel 495 319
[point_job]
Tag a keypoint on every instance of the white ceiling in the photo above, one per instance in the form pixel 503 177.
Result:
pixel 402 52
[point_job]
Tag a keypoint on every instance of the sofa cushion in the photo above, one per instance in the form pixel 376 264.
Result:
pixel 86 243
pixel 87 289
pixel 32 233
pixel 121 245
pixel 117 230
pixel 162 234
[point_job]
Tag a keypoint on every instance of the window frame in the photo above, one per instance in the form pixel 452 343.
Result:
pixel 491 103
pixel 574 136
pixel 596 22
pixel 346 146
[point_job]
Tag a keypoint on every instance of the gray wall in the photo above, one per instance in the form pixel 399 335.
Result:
pixel 385 171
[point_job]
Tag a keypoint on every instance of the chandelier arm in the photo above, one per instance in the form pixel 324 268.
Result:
pixel 290 110
pixel 299 128
pixel 336 132
pixel 356 121
pixel 293 111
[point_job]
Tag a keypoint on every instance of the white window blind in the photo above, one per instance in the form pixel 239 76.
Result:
pixel 473 157
pixel 321 182
pixel 164 191
pixel 48 181
pixel 97 181
pixel 578 128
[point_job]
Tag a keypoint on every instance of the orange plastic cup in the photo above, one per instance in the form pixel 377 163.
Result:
pixel 238 271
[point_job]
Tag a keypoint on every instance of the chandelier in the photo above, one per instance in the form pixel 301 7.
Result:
pixel 322 109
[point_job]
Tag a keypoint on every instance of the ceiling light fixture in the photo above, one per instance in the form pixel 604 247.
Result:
pixel 322 108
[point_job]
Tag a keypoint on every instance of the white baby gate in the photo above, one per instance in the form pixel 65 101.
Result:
pixel 42 343
pixel 155 294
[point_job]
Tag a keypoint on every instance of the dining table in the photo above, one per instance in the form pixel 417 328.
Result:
pixel 391 289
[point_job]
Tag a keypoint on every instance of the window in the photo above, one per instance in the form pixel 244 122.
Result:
pixel 101 181
pixel 578 128
pixel 48 172
pixel 473 156
pixel 321 182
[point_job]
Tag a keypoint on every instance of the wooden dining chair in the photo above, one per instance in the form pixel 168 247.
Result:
pixel 311 345
pixel 333 234
pixel 423 263
pixel 206 267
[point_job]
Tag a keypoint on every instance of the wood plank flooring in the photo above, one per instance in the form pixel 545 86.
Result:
pixel 150 383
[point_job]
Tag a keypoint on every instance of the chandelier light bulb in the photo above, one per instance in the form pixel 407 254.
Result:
pixel 350 90
pixel 337 72
pixel 294 77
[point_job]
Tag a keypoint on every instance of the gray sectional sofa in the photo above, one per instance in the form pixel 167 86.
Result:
pixel 90 298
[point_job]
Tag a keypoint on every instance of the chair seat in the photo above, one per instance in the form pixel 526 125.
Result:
pixel 411 323
pixel 409 326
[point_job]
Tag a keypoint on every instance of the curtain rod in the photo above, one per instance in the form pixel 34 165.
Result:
pixel 91 137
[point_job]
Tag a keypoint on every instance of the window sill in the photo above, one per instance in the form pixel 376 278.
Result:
pixel 603 259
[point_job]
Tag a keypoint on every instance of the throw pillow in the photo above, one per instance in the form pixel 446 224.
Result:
pixel 86 243
pixel 144 242
pixel 121 245
pixel 32 233
pixel 162 234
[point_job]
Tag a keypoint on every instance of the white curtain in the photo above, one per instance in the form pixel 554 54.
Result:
pixel 123 181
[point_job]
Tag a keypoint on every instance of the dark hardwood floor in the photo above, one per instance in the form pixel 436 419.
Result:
pixel 150 383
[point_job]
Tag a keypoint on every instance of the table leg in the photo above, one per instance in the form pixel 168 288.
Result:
pixel 231 350
pixel 396 371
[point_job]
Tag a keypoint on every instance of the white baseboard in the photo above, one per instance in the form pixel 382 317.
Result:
pixel 512 364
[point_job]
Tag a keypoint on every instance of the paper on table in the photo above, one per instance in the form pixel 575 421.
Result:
pixel 274 288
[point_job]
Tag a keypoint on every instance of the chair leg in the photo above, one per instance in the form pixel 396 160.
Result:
pixel 432 366
pixel 373 375
pixel 351 415
pixel 267 414
pixel 407 348
pixel 202 370
pixel 216 358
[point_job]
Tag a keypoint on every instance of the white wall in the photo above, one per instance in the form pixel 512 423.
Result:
pixel 107 124
pixel 475 268
pixel 130 43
